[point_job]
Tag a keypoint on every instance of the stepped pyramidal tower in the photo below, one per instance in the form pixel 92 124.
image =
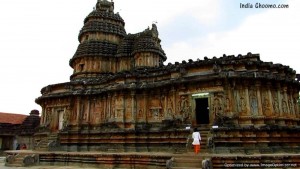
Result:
pixel 121 97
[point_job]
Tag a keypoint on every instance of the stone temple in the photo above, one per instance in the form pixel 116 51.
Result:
pixel 121 97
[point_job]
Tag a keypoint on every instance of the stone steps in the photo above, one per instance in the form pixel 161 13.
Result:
pixel 204 132
pixel 2 159
pixel 17 161
pixel 191 162
pixel 186 168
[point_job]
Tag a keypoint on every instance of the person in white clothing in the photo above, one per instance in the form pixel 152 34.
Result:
pixel 197 139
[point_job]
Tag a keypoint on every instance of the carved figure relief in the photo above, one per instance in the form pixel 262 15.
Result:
pixel 140 114
pixel 184 108
pixel 97 110
pixel 140 108
pixel 296 107
pixel 291 106
pixel 119 106
pixel 129 108
pixel 242 103
pixel 170 111
pixel 66 117
pixel 48 117
pixel 217 107
pixel 102 115
pixel 276 105
pixel 253 103
pixel 284 106
pixel 85 113
pixel 227 105
pixel 113 103
pixel 155 108
pixel 266 106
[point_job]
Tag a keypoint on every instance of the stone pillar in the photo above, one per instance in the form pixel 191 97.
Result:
pixel 78 110
pixel 173 92
pixel 271 110
pixel 259 103
pixel 285 107
pixel 109 113
pixel 290 103
pixel 121 114
pixel 165 104
pixel 295 97
pixel 279 98
pixel 85 67
pixel 145 94
pixel 133 106
pixel 227 100
pixel 88 110
pixel 247 113
pixel 43 116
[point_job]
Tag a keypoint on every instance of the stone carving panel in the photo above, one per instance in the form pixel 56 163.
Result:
pixel 170 108
pixel 155 109
pixel 97 111
pixel 275 103
pixel 113 105
pixel 242 106
pixel 266 106
pixel 184 108
pixel 128 108
pixel 291 106
pixel 217 105
pixel 140 107
pixel 66 118
pixel 253 102
pixel 119 106
pixel 49 116
pixel 227 105
pixel 284 106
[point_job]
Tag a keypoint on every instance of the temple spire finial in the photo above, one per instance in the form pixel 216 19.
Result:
pixel 104 5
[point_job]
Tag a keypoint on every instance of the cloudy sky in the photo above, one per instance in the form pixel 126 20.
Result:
pixel 37 38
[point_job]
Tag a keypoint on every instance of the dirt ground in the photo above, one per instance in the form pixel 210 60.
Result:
pixel 44 167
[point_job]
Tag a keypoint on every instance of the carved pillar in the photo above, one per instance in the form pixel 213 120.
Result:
pixel 247 112
pixel 54 121
pixel 279 98
pixel 285 107
pixel 290 102
pixel 133 106
pixel 122 116
pixel 227 101
pixel 114 107
pixel 241 100
pixel 85 67
pixel 165 104
pixel 88 110
pixel 173 93
pixel 43 116
pixel 271 110
pixel 109 113
pixel 145 94
pixel 259 103
pixel 295 97
pixel 78 110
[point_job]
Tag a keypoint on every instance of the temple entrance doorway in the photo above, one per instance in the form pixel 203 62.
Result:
pixel 202 110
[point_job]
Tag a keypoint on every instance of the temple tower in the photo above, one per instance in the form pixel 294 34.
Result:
pixel 99 39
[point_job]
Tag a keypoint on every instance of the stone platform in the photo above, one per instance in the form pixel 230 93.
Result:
pixel 150 160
